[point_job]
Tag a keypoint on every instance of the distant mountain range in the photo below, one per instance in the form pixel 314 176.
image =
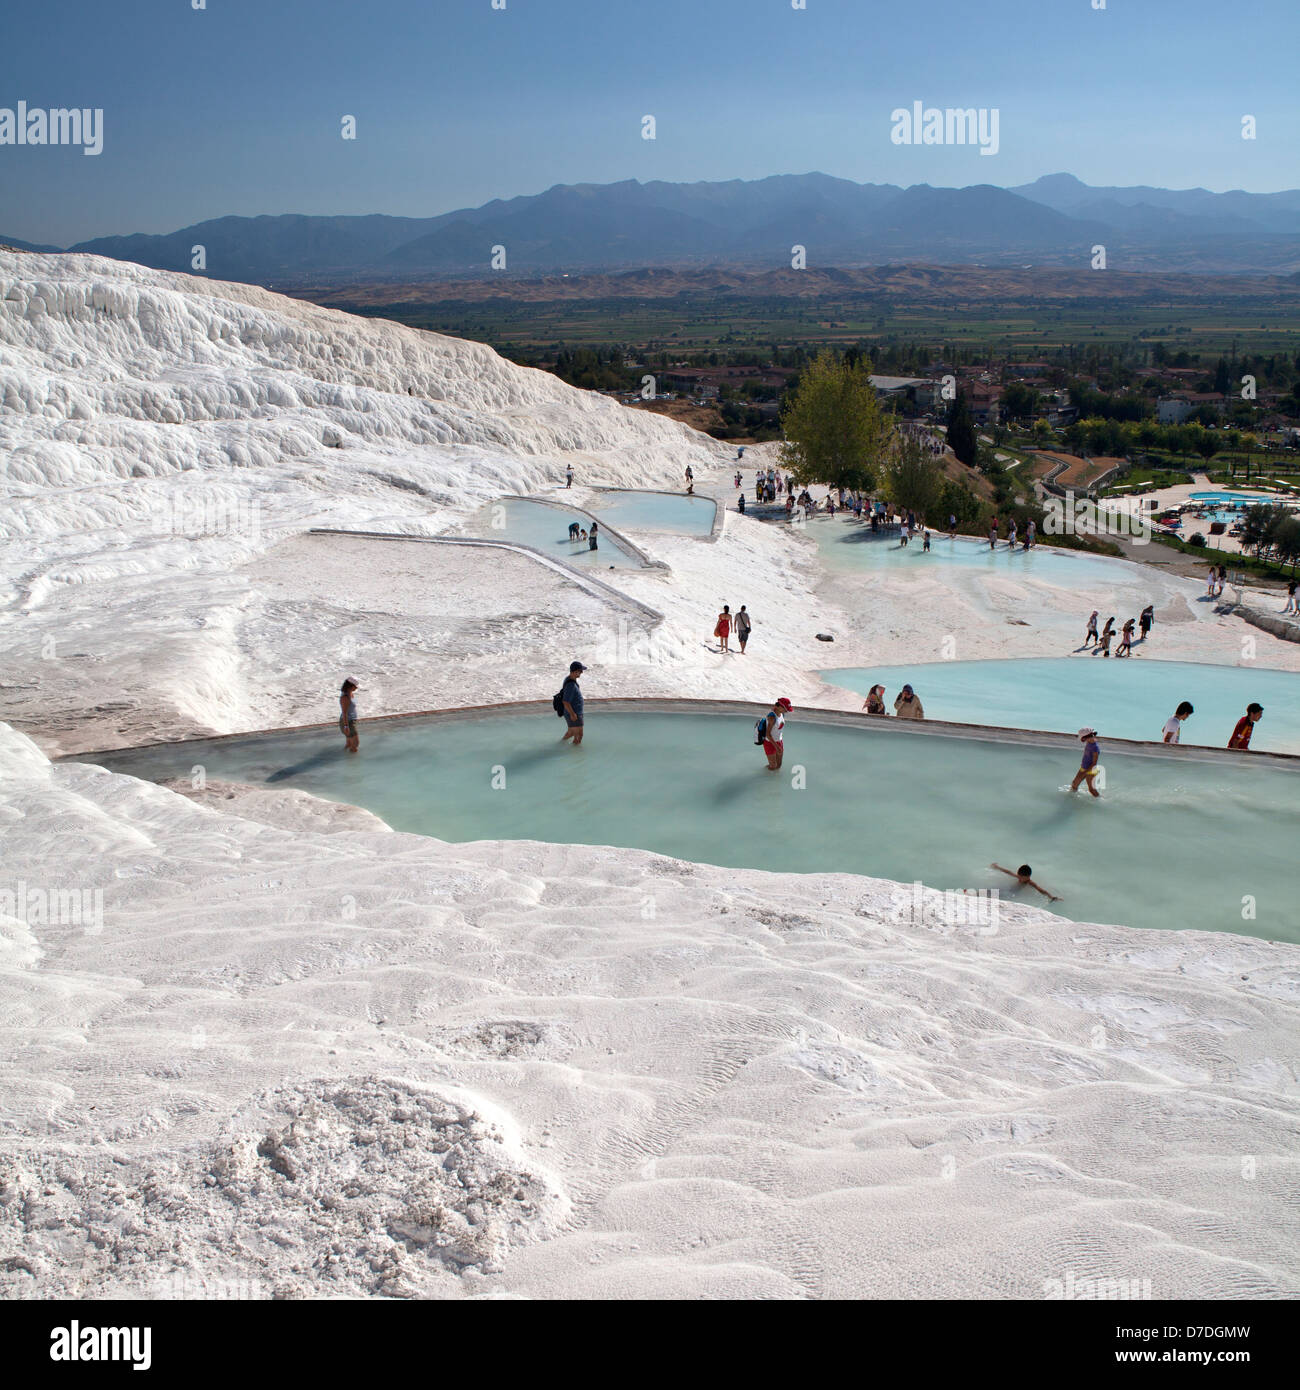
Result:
pixel 1055 221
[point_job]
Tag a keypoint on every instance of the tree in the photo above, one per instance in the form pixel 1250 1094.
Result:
pixel 961 431
pixel 1019 401
pixel 1260 525
pixel 1286 542
pixel 1207 445
pixel 956 499
pixel 835 429
pixel 912 478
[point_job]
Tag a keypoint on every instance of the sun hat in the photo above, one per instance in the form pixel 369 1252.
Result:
pixel 783 703
pixel 1088 732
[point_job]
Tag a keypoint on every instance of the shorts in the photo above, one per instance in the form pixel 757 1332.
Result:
pixel 1089 772
pixel 573 723
pixel 769 747
pixel 348 728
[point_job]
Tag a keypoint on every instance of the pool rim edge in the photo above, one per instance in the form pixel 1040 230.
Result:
pixel 852 719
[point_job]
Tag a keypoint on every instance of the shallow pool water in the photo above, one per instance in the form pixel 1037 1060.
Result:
pixel 849 545
pixel 546 529
pixel 655 511
pixel 1129 698
pixel 1171 844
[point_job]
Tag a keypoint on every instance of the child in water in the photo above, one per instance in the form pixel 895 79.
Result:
pixel 1024 877
pixel 1088 768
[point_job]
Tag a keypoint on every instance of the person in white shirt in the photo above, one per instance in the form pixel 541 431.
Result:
pixel 774 733
pixel 1174 724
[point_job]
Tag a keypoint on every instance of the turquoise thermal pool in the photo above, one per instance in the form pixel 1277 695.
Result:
pixel 655 511
pixel 849 545
pixel 1128 698
pixel 1170 844
pixel 546 528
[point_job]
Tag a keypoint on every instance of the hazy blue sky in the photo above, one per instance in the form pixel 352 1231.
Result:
pixel 237 108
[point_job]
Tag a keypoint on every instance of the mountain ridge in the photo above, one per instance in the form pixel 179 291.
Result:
pixel 1055 220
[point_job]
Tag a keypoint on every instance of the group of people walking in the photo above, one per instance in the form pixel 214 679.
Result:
pixel 740 623
pixel 768 486
pixel 1101 643
pixel 1030 539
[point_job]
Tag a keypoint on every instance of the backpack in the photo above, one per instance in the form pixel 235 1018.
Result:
pixel 760 730
pixel 557 703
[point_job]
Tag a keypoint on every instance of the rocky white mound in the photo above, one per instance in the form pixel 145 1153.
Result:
pixel 282 1063
pixel 157 431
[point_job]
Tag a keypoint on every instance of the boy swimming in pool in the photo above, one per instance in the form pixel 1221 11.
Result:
pixel 1024 877
pixel 1088 768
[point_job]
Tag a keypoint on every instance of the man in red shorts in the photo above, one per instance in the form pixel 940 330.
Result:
pixel 774 733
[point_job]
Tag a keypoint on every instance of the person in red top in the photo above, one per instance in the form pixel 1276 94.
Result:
pixel 1245 727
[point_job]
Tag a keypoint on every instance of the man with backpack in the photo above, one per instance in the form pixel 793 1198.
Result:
pixel 568 704
pixel 770 732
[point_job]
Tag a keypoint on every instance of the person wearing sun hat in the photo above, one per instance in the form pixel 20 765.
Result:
pixel 773 730
pixel 1091 763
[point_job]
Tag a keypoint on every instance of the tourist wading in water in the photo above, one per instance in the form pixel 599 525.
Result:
pixel 348 715
pixel 770 732
pixel 1091 763
pixel 571 699
pixel 1024 877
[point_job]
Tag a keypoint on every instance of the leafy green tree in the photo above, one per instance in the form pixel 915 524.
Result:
pixel 835 429
pixel 1259 526
pixel 956 499
pixel 912 478
pixel 1019 400
pixel 961 431
pixel 1286 542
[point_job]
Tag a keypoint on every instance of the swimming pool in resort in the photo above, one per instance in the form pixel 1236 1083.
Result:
pixel 655 511
pixel 1171 844
pixel 546 528
pixel 1235 499
pixel 1129 698
pixel 848 545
